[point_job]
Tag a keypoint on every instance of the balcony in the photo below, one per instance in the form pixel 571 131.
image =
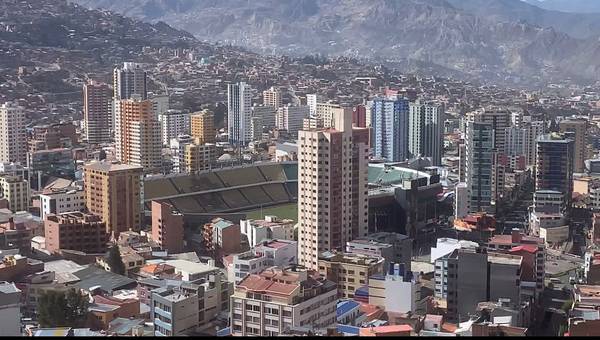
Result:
pixel 162 312
pixel 162 324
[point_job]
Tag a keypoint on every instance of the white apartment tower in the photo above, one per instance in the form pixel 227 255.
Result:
pixel 311 101
pixel 239 113
pixel 291 118
pixel 333 192
pixel 130 79
pixel 173 124
pixel 426 131
pixel 13 139
pixel 272 97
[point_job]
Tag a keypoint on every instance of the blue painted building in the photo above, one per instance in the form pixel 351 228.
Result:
pixel 389 121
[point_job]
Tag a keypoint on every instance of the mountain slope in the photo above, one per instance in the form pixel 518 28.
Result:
pixel 572 6
pixel 577 25
pixel 396 31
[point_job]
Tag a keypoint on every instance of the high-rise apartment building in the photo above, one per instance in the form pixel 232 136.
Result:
pixel 114 192
pixel 130 79
pixel 75 231
pixel 426 131
pixel 239 112
pixel 138 135
pixel 272 97
pixel 536 129
pixel 389 121
pixel 174 123
pixel 326 111
pixel 97 112
pixel 311 101
pixel 499 118
pixel 333 193
pixel 167 227
pixel 554 165
pixel 203 126
pixel 13 138
pixel 15 189
pixel 479 157
pixel 516 141
pixel 290 118
pixel 579 128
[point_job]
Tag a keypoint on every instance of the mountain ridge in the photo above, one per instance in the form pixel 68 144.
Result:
pixel 439 32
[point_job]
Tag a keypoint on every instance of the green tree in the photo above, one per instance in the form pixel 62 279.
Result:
pixel 60 309
pixel 115 261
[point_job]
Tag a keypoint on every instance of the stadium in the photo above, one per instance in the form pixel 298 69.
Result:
pixel 400 199
pixel 227 192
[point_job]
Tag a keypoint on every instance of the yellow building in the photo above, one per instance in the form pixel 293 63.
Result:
pixel 15 190
pixel 349 271
pixel 199 157
pixel 203 126
pixel 113 192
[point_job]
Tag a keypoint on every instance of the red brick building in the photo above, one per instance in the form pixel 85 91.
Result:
pixel 167 227
pixel 75 231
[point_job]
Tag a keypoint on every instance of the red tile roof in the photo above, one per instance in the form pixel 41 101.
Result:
pixel 530 248
pixel 256 283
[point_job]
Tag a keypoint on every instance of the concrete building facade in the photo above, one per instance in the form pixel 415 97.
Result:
pixel 114 192
pixel 330 162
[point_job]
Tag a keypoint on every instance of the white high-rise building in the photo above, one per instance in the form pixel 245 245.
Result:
pixel 129 80
pixel 479 149
pixel 311 102
pixel 332 190
pixel 291 118
pixel 536 129
pixel 272 97
pixel 517 141
pixel 426 131
pixel 239 113
pixel 326 111
pixel 13 137
pixel 173 124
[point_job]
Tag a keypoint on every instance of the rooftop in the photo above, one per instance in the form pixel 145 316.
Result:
pixel 92 276
pixel 107 166
pixel 358 259
pixel 345 306
pixel 505 259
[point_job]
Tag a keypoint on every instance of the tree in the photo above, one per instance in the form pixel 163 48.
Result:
pixel 60 309
pixel 115 261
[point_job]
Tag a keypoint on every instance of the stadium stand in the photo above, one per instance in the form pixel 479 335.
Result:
pixel 272 172
pixel 276 192
pixel 240 176
pixel 228 190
